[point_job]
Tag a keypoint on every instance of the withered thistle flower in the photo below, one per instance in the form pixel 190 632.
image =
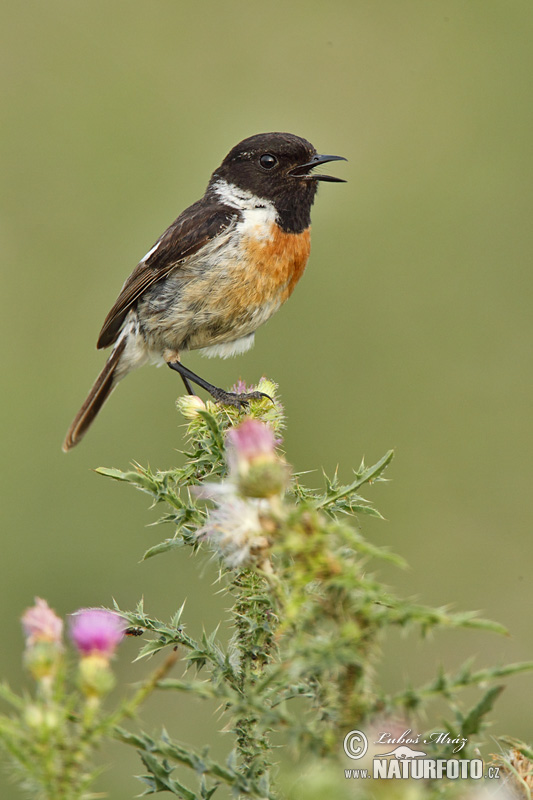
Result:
pixel 43 630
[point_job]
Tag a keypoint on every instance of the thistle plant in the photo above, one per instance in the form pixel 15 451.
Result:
pixel 54 730
pixel 308 619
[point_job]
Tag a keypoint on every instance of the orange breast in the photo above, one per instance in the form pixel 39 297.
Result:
pixel 278 262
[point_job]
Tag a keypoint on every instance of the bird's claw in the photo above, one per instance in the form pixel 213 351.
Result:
pixel 238 400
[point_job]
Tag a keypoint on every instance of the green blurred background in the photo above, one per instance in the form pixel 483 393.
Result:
pixel 411 329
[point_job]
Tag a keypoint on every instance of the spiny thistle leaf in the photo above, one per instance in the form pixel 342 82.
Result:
pixel 362 476
pixel 472 722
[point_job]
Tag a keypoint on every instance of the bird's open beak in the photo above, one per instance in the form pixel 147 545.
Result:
pixel 304 170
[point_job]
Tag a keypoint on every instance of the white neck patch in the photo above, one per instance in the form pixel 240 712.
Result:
pixel 258 215
pixel 240 198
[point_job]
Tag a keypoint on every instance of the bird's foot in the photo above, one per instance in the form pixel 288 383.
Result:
pixel 239 400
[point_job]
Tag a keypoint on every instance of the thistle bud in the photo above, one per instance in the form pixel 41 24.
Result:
pixel 95 676
pixel 189 405
pixel 34 716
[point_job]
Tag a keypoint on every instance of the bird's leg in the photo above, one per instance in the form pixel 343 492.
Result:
pixel 173 356
pixel 227 398
pixel 188 386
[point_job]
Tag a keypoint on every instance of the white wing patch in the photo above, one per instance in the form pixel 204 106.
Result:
pixel 150 252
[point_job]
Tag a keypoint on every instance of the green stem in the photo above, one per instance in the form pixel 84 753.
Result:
pixel 73 778
pixel 255 623
pixel 128 709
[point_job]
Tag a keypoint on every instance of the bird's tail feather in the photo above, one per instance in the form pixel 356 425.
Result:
pixel 102 388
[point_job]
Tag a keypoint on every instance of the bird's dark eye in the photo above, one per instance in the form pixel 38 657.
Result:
pixel 268 161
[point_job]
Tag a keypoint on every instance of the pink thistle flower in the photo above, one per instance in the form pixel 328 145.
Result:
pixel 241 388
pixel 248 442
pixel 254 466
pixel 41 624
pixel 96 631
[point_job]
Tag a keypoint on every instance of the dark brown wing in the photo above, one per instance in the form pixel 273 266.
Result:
pixel 192 230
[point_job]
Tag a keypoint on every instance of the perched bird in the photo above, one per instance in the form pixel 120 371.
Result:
pixel 221 270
